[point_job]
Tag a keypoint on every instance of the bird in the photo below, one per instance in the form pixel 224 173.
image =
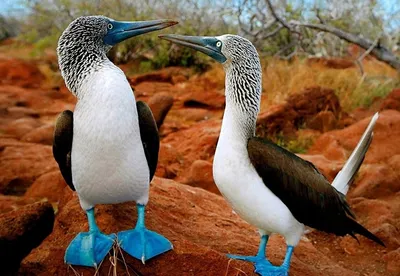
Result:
pixel 267 185
pixel 107 149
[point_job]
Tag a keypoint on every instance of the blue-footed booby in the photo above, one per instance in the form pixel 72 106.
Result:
pixel 107 149
pixel 268 186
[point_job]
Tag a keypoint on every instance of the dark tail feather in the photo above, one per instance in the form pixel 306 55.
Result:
pixel 359 229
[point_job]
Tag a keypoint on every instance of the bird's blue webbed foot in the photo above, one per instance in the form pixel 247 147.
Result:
pixel 89 248
pixel 262 266
pixel 142 243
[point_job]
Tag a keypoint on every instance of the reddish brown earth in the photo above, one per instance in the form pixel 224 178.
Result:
pixel 200 224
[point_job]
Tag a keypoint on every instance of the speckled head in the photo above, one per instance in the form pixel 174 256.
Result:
pixel 225 49
pixel 83 46
pixel 241 63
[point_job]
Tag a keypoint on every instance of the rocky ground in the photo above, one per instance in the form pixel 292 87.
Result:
pixel 39 214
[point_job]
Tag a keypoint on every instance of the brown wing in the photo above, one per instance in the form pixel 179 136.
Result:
pixel 149 136
pixel 303 189
pixel 62 144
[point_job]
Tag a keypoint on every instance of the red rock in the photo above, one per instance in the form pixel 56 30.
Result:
pixel 328 146
pixel 49 185
pixel 389 234
pixel 12 203
pixel 40 100
pixel 194 114
pixel 378 211
pixel 381 149
pixel 278 119
pixel 201 175
pixel 21 231
pixel 170 74
pixel 41 135
pixel 20 127
pixel 19 72
pixel 145 90
pixel 376 180
pixel 21 163
pixel 313 100
pixel 17 112
pixel 166 159
pixel 324 121
pixel 361 113
pixel 210 99
pixel 392 101
pixel 160 104
pixel 201 226
pixel 180 149
pixel 178 79
pixel 298 109
pixel 393 261
pixel 347 120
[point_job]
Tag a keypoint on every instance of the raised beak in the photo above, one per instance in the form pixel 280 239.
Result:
pixel 204 44
pixel 122 30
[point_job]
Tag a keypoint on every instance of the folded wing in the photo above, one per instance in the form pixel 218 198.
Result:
pixel 303 189
pixel 62 145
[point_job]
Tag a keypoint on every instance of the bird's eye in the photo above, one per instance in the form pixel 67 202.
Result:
pixel 110 26
pixel 219 43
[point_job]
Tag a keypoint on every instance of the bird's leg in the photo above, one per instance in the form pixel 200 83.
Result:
pixel 267 269
pixel 142 243
pixel 89 248
pixel 262 265
pixel 260 254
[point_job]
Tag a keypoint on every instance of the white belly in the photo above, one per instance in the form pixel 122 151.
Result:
pixel 244 189
pixel 108 161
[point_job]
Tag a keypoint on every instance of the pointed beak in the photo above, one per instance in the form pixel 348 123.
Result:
pixel 204 44
pixel 122 30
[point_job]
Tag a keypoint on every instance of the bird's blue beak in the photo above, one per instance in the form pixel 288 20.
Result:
pixel 210 46
pixel 120 30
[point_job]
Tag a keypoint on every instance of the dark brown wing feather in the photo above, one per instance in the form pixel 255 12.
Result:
pixel 303 189
pixel 149 136
pixel 62 144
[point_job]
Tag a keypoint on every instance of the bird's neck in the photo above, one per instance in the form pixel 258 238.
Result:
pixel 243 96
pixel 78 63
pixel 106 88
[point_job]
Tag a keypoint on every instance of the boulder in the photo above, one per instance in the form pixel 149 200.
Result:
pixel 171 75
pixel 41 135
pixel 194 114
pixel 12 203
pixel 315 106
pixel 160 104
pixel 49 186
pixel 22 126
pixel 338 144
pixel 181 148
pixel 45 102
pixel 17 112
pixel 201 175
pixel 22 163
pixel 21 231
pixel 324 121
pixel 393 261
pixel 208 99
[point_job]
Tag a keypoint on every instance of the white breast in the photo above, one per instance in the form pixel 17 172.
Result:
pixel 243 188
pixel 108 160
